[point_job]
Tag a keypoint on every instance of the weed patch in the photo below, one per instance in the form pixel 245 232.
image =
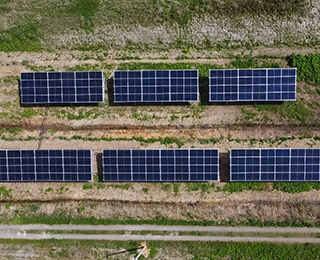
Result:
pixel 241 186
pixel 4 193
pixel 25 36
pixel 293 110
pixel 308 67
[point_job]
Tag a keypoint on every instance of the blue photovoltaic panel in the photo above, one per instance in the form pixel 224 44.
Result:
pixel 161 165
pixel 156 86
pixel 274 164
pixel 45 165
pixel 252 85
pixel 62 87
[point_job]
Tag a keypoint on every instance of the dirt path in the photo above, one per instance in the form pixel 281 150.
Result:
pixel 15 62
pixel 304 230
pixel 18 232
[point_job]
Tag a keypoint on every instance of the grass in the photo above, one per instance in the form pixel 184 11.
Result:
pixel 250 62
pixel 24 36
pixel 203 68
pixel 184 233
pixel 86 9
pixel 8 80
pixel 296 187
pixel 176 188
pixel 145 190
pixel 89 24
pixel 204 187
pixel 64 218
pixel 308 67
pixel 34 207
pixel 293 110
pixel 165 141
pixel 90 67
pixel 241 186
pixel 4 193
pixel 28 112
pixel 88 186
pixel 185 250
pixel 126 186
pixel 288 187
pixel 81 209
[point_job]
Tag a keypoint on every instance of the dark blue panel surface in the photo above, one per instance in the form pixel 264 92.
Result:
pixel 252 85
pixel 45 165
pixel 156 86
pixel 161 165
pixel 275 164
pixel 62 87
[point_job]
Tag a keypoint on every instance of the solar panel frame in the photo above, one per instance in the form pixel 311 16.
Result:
pixel 46 165
pixel 62 87
pixel 156 86
pixel 160 165
pixel 244 85
pixel 275 164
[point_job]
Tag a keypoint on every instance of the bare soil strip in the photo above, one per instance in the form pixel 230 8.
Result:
pixel 304 230
pixel 158 238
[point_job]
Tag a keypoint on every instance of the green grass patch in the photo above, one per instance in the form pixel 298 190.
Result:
pixel 185 250
pixel 203 68
pixel 209 141
pixel 29 112
pixel 176 188
pixel 126 186
pixel 308 67
pixel 50 26
pixel 86 9
pixel 293 110
pixel 34 207
pixel 250 62
pixel 165 186
pixel 90 67
pixel 242 186
pixel 4 192
pixel 145 190
pixel 88 186
pixel 204 187
pixel 40 68
pixel 48 190
pixel 64 218
pixel 8 80
pixel 296 187
pixel 24 36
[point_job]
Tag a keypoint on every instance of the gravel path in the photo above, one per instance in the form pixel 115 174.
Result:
pixel 20 232
pixel 238 229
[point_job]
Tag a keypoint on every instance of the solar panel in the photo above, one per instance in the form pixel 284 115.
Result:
pixel 252 85
pixel 187 165
pixel 156 86
pixel 62 87
pixel 45 165
pixel 274 164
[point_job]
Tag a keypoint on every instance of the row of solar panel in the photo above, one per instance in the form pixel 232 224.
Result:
pixel 118 165
pixel 46 165
pixel 158 86
pixel 275 165
pixel 161 165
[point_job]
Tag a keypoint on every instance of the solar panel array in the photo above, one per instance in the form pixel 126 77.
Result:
pixel 275 164
pixel 156 86
pixel 161 165
pixel 45 165
pixel 252 85
pixel 62 87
